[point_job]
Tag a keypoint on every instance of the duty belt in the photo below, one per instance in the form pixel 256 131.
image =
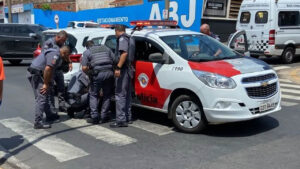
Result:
pixel 95 72
pixel 35 71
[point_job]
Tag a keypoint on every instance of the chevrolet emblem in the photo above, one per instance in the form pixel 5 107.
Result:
pixel 264 84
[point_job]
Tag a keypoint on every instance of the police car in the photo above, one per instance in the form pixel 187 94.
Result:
pixel 195 79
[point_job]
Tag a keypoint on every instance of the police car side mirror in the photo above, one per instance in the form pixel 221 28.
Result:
pixel 157 58
pixel 160 58
pixel 33 35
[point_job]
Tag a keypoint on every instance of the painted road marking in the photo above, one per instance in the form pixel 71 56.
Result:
pixel 290 85
pixel 44 140
pixel 11 160
pixel 100 133
pixel 285 80
pixel 291 97
pixel 281 67
pixel 152 128
pixel 288 104
pixel 284 90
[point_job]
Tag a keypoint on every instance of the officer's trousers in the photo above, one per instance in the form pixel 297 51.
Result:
pixel 60 84
pixel 41 101
pixel 103 80
pixel 123 96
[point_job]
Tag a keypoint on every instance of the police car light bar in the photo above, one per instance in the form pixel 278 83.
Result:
pixel 153 23
pixel 107 26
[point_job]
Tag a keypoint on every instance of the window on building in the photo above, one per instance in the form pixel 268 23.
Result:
pixel 261 17
pixel 245 17
pixel 215 8
pixel 288 18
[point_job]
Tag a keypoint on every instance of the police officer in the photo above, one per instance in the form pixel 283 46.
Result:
pixel 56 43
pixel 205 29
pixel 40 76
pixel 99 61
pixel 124 75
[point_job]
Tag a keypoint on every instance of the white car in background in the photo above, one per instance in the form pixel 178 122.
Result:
pixel 82 24
pixel 272 27
pixel 76 39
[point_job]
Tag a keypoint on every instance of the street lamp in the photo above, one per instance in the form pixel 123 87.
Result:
pixel 167 7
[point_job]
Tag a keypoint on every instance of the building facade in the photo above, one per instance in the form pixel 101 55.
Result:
pixel 221 15
pixel 1 11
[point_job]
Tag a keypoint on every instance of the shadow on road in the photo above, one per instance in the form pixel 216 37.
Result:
pixel 151 116
pixel 20 149
pixel 19 65
pixel 243 129
pixel 9 144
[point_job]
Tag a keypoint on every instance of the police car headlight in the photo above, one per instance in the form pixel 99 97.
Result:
pixel 215 80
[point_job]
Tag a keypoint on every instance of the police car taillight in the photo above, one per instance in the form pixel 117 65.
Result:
pixel 106 26
pixel 272 37
pixel 75 58
pixel 153 23
pixel 38 51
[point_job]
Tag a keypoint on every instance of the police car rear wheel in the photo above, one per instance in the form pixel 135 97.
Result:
pixel 187 114
pixel 288 55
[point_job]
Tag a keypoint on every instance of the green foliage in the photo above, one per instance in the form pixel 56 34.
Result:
pixel 46 7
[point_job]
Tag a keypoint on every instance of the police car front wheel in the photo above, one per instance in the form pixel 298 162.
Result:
pixel 187 114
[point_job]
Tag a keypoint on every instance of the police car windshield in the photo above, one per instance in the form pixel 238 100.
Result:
pixel 199 48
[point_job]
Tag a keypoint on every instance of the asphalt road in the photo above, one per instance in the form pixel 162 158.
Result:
pixel 271 142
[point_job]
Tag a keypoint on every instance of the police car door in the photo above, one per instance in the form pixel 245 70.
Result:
pixel 238 42
pixel 148 91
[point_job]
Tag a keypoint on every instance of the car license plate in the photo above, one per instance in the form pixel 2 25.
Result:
pixel 266 106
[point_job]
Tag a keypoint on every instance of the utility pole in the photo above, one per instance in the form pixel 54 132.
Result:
pixel 9 11
pixel 167 7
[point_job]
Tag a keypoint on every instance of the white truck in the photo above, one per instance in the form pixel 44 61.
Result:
pixel 272 27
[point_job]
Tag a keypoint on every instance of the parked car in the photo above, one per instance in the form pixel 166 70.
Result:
pixel 18 41
pixel 272 27
pixel 76 40
pixel 83 24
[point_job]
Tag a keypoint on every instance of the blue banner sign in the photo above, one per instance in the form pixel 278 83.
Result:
pixel 186 12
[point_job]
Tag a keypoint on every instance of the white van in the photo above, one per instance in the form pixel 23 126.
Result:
pixel 272 27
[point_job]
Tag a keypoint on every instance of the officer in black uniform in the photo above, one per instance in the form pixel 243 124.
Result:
pixel 123 74
pixel 99 61
pixel 56 43
pixel 40 76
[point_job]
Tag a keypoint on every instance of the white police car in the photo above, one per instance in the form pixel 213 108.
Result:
pixel 193 78
pixel 197 80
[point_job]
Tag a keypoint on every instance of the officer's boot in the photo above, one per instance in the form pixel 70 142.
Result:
pixel 93 120
pixel 41 126
pixel 61 102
